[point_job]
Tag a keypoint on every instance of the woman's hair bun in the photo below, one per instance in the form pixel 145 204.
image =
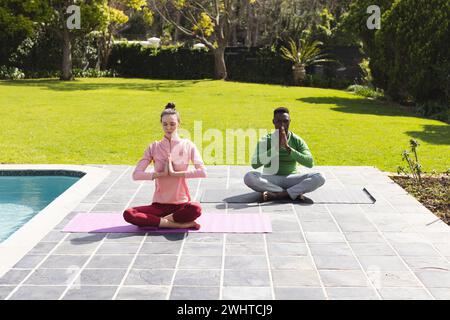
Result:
pixel 170 105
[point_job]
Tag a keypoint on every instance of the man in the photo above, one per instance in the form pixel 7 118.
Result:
pixel 280 152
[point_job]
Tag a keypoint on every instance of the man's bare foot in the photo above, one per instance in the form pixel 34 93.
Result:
pixel 270 196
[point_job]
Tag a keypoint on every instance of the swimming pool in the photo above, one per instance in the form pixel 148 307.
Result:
pixel 23 196
pixel 35 198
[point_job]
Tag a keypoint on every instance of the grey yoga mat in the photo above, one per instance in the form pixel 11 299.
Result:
pixel 345 196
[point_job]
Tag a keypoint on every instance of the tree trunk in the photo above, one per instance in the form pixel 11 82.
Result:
pixel 176 34
pixel 66 68
pixel 220 69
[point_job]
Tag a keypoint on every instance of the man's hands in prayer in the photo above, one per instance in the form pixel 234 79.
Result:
pixel 284 140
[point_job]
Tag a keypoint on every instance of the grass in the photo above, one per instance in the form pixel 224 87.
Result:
pixel 112 120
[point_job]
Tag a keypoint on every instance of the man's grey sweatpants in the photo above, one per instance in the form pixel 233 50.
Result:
pixel 294 184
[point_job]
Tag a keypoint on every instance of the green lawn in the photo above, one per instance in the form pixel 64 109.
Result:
pixel 111 121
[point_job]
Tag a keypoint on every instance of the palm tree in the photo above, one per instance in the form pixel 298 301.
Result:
pixel 304 54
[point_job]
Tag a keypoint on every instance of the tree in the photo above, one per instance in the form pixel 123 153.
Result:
pixel 18 20
pixel 90 14
pixel 115 15
pixel 207 21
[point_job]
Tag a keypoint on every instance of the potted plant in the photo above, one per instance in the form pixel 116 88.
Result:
pixel 303 54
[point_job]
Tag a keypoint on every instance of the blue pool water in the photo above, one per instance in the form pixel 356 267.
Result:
pixel 22 197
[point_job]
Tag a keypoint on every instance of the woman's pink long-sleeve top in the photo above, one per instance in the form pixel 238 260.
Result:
pixel 171 189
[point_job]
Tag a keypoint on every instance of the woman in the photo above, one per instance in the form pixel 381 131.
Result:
pixel 171 206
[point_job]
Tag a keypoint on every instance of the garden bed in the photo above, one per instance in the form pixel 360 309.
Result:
pixel 434 193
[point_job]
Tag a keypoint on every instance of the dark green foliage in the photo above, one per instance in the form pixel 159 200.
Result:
pixel 411 57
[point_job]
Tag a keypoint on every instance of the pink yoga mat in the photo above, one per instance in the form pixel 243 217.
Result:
pixel 213 222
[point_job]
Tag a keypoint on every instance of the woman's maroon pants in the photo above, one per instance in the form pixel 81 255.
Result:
pixel 150 216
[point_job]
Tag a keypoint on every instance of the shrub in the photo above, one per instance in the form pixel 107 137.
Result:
pixel 11 73
pixel 410 58
pixel 366 91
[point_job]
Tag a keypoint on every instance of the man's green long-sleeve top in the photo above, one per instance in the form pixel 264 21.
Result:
pixel 287 164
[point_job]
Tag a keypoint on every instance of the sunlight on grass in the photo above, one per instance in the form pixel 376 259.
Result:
pixel 112 120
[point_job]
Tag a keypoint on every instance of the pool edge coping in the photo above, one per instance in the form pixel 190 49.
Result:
pixel 16 246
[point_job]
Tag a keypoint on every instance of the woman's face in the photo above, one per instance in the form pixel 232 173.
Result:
pixel 170 124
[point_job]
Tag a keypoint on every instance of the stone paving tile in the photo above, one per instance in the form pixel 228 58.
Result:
pixel 246 293
pixel 161 248
pixel 343 278
pixel 14 276
pixel 437 237
pixel 381 279
pixel 404 294
pixel 404 237
pixel 427 263
pixel 324 237
pixel 205 249
pixel 204 237
pixel 85 247
pixel 356 293
pixel 84 237
pixel 443 248
pixel 245 262
pixel 364 237
pixel 5 291
pixel 209 278
pixel 294 278
pixel 285 237
pixel 372 249
pixel 90 293
pixel 95 277
pixel 38 293
pixel 118 248
pixel 142 293
pixel 336 249
pixel 155 261
pixel 233 238
pixel 200 262
pixel 440 293
pixel 29 261
pixel 42 248
pixel 292 262
pixel 242 249
pixel 195 293
pixel 382 263
pixel 164 237
pixel 319 226
pixel 434 278
pixel 110 207
pixel 124 237
pixel 299 293
pixel 336 263
pixel 158 277
pixel 53 236
pixel 100 261
pixel 246 278
pixel 415 249
pixel 64 261
pixel 286 249
pixel 52 276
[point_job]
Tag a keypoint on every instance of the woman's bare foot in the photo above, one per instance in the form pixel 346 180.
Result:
pixel 165 223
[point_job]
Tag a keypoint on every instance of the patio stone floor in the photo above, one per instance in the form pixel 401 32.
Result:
pixel 393 249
